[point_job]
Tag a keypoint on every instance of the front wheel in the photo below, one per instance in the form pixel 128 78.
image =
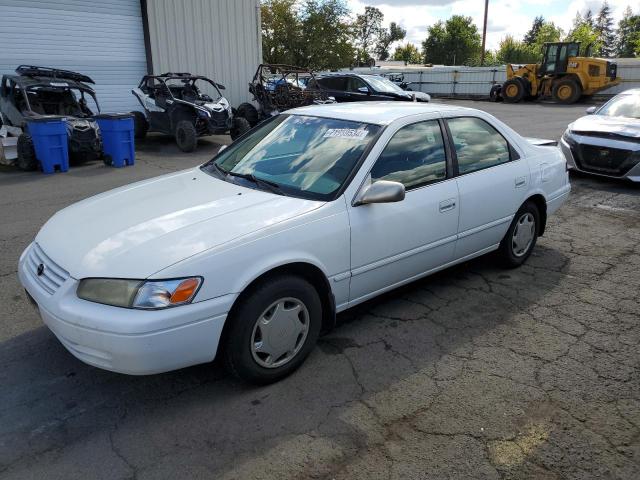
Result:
pixel 186 136
pixel 518 243
pixel 140 125
pixel 273 329
pixel 240 126
pixel 27 160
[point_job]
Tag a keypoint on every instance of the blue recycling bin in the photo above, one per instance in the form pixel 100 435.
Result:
pixel 49 135
pixel 117 134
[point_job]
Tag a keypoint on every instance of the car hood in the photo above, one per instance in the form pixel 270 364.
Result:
pixel 628 127
pixel 420 96
pixel 140 229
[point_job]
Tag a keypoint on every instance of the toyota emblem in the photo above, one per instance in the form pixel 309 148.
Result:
pixel 40 269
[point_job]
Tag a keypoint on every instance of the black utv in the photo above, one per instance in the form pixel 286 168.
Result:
pixel 279 87
pixel 186 106
pixel 37 91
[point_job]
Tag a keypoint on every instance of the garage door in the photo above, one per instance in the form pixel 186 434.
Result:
pixel 103 39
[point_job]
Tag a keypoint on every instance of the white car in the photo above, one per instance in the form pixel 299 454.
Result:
pixel 314 211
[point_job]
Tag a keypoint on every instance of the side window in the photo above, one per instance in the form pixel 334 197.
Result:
pixel 414 156
pixel 478 145
pixel 354 83
pixel 334 83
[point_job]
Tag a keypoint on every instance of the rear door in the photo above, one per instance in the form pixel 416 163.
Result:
pixel 336 87
pixel 492 182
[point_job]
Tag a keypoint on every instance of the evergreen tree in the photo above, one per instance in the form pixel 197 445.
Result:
pixel 588 18
pixel 604 27
pixel 628 38
pixel 532 34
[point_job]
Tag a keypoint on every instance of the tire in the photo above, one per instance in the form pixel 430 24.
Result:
pixel 241 356
pixel 240 126
pixel 249 112
pixel 140 125
pixel 512 90
pixel 186 136
pixel 27 160
pixel 514 251
pixel 494 93
pixel 566 91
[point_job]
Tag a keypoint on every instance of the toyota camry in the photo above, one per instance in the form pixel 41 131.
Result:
pixel 251 255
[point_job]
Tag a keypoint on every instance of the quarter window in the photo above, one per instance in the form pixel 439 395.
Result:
pixel 414 156
pixel 478 145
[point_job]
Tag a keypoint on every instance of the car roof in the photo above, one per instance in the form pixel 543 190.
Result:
pixel 379 113
pixel 26 81
pixel 347 74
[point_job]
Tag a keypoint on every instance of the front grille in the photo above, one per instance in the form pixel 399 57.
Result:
pixel 604 160
pixel 220 119
pixel 84 139
pixel 52 276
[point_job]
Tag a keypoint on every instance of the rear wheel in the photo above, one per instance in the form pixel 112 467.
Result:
pixel 249 112
pixel 140 125
pixel 273 329
pixel 566 91
pixel 512 90
pixel 240 126
pixel 518 242
pixel 186 136
pixel 27 160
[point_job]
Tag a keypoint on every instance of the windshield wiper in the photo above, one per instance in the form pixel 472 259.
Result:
pixel 271 186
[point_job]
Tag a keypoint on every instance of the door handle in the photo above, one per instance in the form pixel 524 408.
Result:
pixel 521 181
pixel 447 205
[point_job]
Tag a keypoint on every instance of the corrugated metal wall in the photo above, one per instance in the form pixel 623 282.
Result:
pixel 216 38
pixel 101 39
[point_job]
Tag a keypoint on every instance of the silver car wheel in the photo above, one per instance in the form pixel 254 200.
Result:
pixel 523 234
pixel 279 333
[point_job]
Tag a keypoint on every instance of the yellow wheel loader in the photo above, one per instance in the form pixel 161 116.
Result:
pixel 563 74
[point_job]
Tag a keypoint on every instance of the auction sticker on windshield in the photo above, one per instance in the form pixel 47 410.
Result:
pixel 358 134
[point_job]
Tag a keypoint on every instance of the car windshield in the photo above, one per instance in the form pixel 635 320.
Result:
pixel 382 84
pixel 622 106
pixel 301 156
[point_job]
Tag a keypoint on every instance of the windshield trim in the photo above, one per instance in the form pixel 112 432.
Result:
pixel 323 197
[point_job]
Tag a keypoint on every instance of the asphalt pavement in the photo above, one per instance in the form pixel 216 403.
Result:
pixel 473 373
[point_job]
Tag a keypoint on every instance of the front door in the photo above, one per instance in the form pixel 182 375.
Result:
pixel 392 243
pixel 492 181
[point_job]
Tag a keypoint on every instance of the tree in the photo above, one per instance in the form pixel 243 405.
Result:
pixel 280 31
pixel 367 28
pixel 604 27
pixel 588 18
pixel 455 42
pixel 628 38
pixel 587 36
pixel 531 36
pixel 511 50
pixel 548 33
pixel 326 35
pixel 408 53
pixel 388 36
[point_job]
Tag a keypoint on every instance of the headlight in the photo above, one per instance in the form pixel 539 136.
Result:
pixel 567 136
pixel 139 293
pixel 203 113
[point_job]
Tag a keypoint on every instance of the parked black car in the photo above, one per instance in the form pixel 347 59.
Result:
pixel 37 91
pixel 356 87
pixel 186 106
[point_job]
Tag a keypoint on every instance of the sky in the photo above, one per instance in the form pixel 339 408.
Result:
pixel 506 17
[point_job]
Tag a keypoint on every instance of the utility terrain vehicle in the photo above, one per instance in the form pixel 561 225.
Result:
pixel 279 87
pixel 186 106
pixel 38 91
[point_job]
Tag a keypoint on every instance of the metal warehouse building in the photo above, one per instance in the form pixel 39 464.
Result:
pixel 116 42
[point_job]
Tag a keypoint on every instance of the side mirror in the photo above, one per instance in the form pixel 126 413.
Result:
pixel 363 90
pixel 591 110
pixel 382 191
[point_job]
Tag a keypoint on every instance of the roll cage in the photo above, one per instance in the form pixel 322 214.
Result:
pixel 187 93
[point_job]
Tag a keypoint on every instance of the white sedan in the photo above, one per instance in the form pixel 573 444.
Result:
pixel 252 254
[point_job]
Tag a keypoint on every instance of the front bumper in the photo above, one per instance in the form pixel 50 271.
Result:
pixel 218 123
pixel 135 342
pixel 630 172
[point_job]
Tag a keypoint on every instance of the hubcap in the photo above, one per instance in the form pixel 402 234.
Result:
pixel 523 234
pixel 512 90
pixel 280 332
pixel 564 92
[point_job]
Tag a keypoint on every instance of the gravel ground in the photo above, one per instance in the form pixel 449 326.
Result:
pixel 475 372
